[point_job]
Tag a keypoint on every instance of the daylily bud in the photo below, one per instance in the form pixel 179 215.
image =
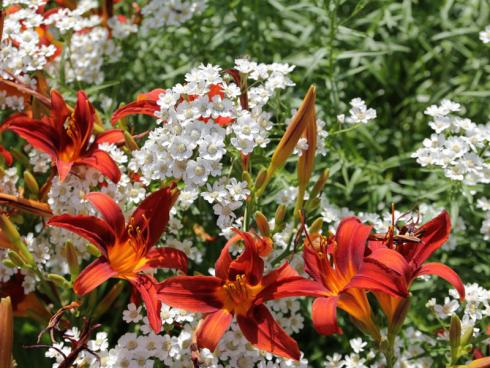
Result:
pixel 316 226
pixel 259 181
pixel 8 263
pixel 293 133
pixel 6 332
pixel 479 363
pixel 93 250
pixel 455 336
pixel 466 336
pixel 72 259
pixel 246 177
pixel 106 303
pixel 399 316
pixel 130 142
pixel 16 259
pixel 313 204
pixel 31 182
pixel 58 280
pixel 13 235
pixel 262 223
pixel 279 217
pixel 320 183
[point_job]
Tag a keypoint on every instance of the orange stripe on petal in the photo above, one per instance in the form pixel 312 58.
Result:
pixel 92 276
pixel 102 162
pixel 212 328
pixel 445 273
pixel 146 287
pixel 324 315
pixel 167 258
pixel 111 212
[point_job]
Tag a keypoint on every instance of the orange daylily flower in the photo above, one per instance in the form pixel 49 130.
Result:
pixel 65 136
pixel 337 264
pixel 239 289
pixel 127 250
pixel 410 256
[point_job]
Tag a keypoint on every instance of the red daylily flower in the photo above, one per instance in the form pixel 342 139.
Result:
pixel 239 289
pixel 126 250
pixel 146 104
pixel 336 264
pixel 411 256
pixel 65 136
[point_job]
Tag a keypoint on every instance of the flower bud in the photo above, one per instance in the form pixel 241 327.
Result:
pixel 260 180
pixel 466 336
pixel 93 250
pixel 14 257
pixel 262 223
pixel 8 263
pixel 312 204
pixel 246 177
pixel 279 217
pixel 320 183
pixel 31 182
pixel 316 226
pixel 13 235
pixel 71 255
pixel 130 142
pixel 6 332
pixel 59 280
pixel 106 303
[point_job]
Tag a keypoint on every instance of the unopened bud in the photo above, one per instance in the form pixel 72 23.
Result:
pixel 279 216
pixel 13 235
pixel 316 226
pixel 31 182
pixel 262 223
pixel 8 263
pixel 130 142
pixel 93 250
pixel 455 336
pixel 312 204
pixel 466 336
pixel 246 177
pixel 6 332
pixel 260 180
pixel 58 280
pixel 71 255
pixel 106 303
pixel 16 259
pixel 320 183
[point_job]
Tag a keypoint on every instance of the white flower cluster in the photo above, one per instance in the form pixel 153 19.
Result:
pixel 353 360
pixel 21 49
pixel 456 146
pixel 8 180
pixel 160 13
pixel 11 102
pixel 75 20
pixel 476 306
pixel 484 204
pixel 485 35
pixel 358 114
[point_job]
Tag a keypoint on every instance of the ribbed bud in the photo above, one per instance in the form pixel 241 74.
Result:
pixel 316 226
pixel 130 142
pixel 93 250
pixel 262 224
pixel 31 182
pixel 71 255
pixel 260 180
pixel 58 280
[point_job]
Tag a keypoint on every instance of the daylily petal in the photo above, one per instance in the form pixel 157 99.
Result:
pixel 260 328
pixel 167 257
pixel 212 328
pixel 90 227
pixel 111 212
pixel 388 304
pixel 152 214
pixel 223 263
pixel 312 263
pixel 84 116
pixel 324 315
pixel 112 136
pixel 92 276
pixel 7 156
pixel 433 235
pixel 249 262
pixel 63 168
pixel 142 106
pixel 146 287
pixel 191 293
pixel 103 162
pixel 351 238
pixel 59 111
pixel 38 134
pixel 445 273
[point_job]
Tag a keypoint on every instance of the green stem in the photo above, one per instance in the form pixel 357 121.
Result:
pixel 389 352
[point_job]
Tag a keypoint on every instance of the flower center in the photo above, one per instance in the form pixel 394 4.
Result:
pixel 238 296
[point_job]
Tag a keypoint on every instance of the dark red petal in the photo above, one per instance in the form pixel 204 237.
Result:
pixel 101 161
pixel 167 257
pixel 433 235
pixel 90 227
pixel 111 212
pixel 445 273
pixel 7 156
pixel 37 133
pixel 191 293
pixel 146 287
pixel 260 328
pixel 249 262
pixel 92 276
pixel 212 328
pixel 324 315
pixel 223 263
pixel 84 117
pixel 59 111
pixel 153 213
pixel 312 263
pixel 112 136
pixel 63 168
pixel 351 238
